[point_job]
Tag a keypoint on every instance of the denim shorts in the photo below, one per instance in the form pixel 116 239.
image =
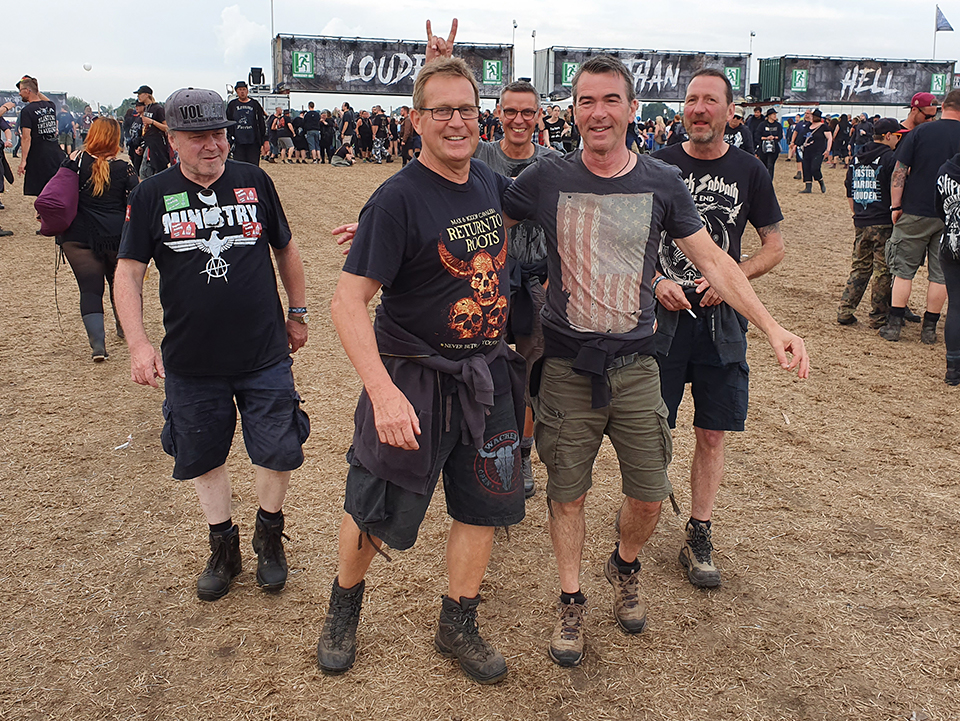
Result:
pixel 482 487
pixel 200 414
pixel 720 391
pixel 569 431
pixel 313 140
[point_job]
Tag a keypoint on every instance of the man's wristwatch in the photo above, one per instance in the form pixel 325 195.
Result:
pixel 298 315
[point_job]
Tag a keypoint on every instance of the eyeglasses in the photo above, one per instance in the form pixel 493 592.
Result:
pixel 467 112
pixel 511 113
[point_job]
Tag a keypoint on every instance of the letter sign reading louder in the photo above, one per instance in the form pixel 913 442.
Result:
pixel 355 65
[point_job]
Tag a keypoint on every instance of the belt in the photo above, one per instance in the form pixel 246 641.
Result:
pixel 622 360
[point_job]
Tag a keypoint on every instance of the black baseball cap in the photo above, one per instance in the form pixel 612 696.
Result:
pixel 143 89
pixel 195 109
pixel 771 111
pixel 886 125
pixel 240 84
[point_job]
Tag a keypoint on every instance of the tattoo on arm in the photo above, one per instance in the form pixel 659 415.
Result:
pixel 899 176
pixel 767 230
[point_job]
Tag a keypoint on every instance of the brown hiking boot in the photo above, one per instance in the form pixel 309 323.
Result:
pixel 697 556
pixel 458 636
pixel 628 609
pixel 566 645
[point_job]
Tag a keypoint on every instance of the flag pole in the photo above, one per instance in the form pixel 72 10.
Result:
pixel 935 34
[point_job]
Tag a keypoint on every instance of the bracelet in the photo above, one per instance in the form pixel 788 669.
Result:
pixel 657 280
pixel 893 208
pixel 297 311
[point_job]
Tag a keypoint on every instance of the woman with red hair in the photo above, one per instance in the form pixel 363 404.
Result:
pixel 91 243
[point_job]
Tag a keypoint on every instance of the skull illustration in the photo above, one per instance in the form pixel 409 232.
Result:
pixel 466 318
pixel 496 318
pixel 483 272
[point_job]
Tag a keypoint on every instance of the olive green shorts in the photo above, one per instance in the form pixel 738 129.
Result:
pixel 569 432
pixel 915 237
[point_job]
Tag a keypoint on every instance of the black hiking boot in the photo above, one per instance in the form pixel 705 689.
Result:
pixel 458 636
pixel 910 316
pixel 891 331
pixel 952 378
pixel 223 565
pixel 337 649
pixel 823 186
pixel 807 188
pixel 271 560
pixel 928 331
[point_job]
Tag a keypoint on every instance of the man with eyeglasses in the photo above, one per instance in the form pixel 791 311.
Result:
pixel 443 392
pixel 520 112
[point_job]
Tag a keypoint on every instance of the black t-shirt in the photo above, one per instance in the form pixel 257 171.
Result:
pixel 199 241
pixel 602 240
pixel 924 150
pixel 728 192
pixel 66 122
pixel 380 124
pixel 555 129
pixel 311 120
pixel 100 215
pixel 678 134
pixel 765 130
pixel 816 141
pixel 440 251
pixel 365 129
pixel 868 183
pixel 155 112
pixel 40 117
pixel 249 121
pixel 327 131
pixel 348 123
pixel 284 126
pixel 802 129
pixel 739 137
pixel 45 155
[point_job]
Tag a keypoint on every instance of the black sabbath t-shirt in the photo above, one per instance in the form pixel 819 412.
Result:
pixel 440 252
pixel 602 239
pixel 728 192
pixel 221 309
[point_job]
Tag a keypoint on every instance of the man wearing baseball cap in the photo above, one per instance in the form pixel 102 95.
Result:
pixel 204 222
pixel 923 109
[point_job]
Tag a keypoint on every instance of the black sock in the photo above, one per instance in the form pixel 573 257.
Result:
pixel 931 318
pixel 221 527
pixel 624 566
pixel 268 516
pixel 897 312
pixel 698 522
pixel 567 598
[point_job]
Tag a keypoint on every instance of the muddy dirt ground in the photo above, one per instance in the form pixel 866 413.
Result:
pixel 836 530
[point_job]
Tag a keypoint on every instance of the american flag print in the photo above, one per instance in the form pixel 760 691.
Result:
pixel 602 241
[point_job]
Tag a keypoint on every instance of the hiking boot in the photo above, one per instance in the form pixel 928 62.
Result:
pixel 891 331
pixel 566 645
pixel 696 556
pixel 807 188
pixel 910 316
pixel 5 233
pixel 271 560
pixel 798 176
pixel 952 378
pixel 847 319
pixel 823 186
pixel 928 331
pixel 628 609
pixel 337 648
pixel 458 636
pixel 526 467
pixel 223 565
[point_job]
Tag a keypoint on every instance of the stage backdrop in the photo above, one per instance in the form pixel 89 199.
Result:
pixel 13 96
pixel 317 64
pixel 853 80
pixel 657 75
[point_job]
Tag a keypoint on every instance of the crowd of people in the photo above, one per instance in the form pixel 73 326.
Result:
pixel 606 251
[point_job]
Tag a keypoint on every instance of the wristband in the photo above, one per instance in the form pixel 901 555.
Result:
pixel 657 280
pixel 298 311
pixel 895 207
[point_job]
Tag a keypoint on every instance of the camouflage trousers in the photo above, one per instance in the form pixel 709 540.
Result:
pixel 868 261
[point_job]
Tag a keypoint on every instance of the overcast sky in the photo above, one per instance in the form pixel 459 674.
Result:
pixel 205 43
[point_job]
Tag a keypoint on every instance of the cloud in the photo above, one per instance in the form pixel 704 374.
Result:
pixel 236 34
pixel 338 28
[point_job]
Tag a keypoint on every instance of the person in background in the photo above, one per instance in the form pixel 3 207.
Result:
pixel 768 135
pixel 816 149
pixel 38 126
pixel 248 136
pixel 154 145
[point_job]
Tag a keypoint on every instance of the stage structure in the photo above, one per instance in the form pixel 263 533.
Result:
pixel 13 96
pixel 852 81
pixel 318 64
pixel 658 75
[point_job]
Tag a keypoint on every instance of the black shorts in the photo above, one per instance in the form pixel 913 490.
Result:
pixel 482 488
pixel 720 391
pixel 201 417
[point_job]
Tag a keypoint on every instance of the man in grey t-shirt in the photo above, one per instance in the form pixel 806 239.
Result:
pixel 519 113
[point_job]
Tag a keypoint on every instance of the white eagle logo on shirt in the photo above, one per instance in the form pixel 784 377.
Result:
pixel 216 267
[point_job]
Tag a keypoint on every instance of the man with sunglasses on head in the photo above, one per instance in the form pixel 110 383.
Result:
pixel 519 113
pixel 443 393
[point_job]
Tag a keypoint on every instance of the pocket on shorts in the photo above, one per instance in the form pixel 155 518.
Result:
pixel 666 435
pixel 366 495
pixel 302 421
pixel 166 435
pixel 546 431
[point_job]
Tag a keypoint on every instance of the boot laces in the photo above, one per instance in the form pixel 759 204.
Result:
pixel 630 588
pixel 571 620
pixel 466 622
pixel 272 549
pixel 343 610
pixel 219 552
pixel 699 538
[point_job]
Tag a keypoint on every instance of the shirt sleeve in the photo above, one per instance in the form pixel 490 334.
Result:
pixel 905 149
pixel 682 218
pixel 141 230
pixel 378 247
pixel 278 229
pixel 764 207
pixel 521 198
pixel 27 119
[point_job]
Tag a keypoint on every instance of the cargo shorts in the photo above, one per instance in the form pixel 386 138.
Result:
pixel 915 236
pixel 568 431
